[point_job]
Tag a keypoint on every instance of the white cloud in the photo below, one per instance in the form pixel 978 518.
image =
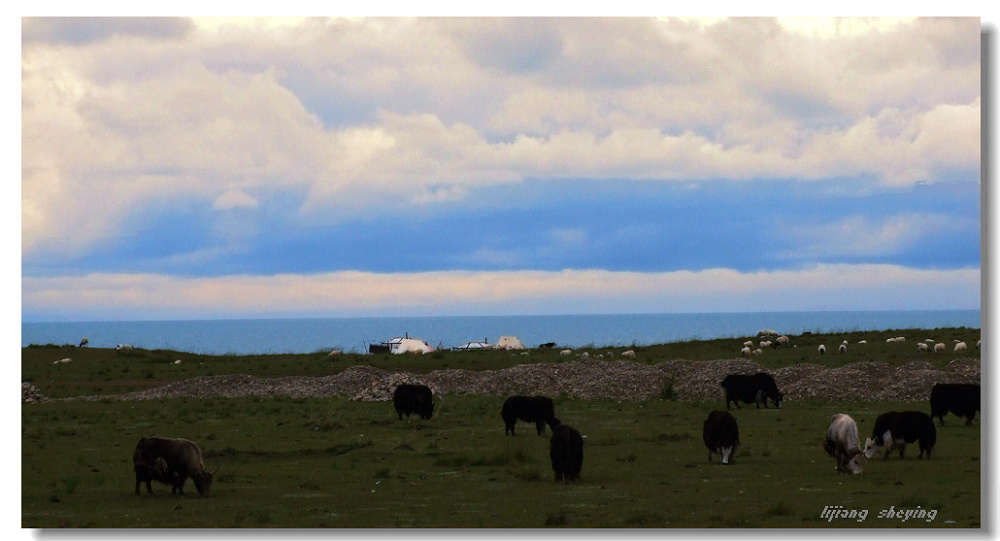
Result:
pixel 833 27
pixel 378 114
pixel 823 287
pixel 900 148
pixel 857 236
pixel 258 24
pixel 186 133
pixel 232 199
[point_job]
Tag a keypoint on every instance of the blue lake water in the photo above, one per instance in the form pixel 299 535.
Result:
pixel 252 336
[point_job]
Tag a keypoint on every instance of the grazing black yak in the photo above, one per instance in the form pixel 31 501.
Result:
pixel 566 452
pixel 721 435
pixel 893 430
pixel 409 399
pixel 962 399
pixel 170 461
pixel 533 409
pixel 757 388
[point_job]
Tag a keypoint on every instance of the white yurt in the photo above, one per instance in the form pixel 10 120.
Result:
pixel 509 342
pixel 411 345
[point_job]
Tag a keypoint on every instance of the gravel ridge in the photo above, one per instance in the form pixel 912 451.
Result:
pixel 585 379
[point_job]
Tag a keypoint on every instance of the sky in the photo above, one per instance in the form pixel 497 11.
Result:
pixel 187 168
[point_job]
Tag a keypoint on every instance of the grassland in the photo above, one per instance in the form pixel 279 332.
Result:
pixel 96 371
pixel 336 463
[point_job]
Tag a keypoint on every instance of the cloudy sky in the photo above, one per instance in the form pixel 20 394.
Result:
pixel 194 168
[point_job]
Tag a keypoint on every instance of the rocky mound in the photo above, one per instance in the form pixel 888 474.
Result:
pixel 619 380
pixel 31 394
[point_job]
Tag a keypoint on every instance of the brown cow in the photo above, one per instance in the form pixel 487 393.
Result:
pixel 170 461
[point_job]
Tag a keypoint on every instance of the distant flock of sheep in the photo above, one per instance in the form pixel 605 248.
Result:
pixel 774 341
pixel 627 354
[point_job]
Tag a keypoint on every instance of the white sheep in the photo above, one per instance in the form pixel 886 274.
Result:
pixel 63 361
pixel 566 352
pixel 938 347
pixel 960 346
pixel 922 347
pixel 757 352
pixel 822 349
pixel 843 349
pixel 862 341
pixel 585 355
pixel 745 352
pixel 628 354
pixel 978 342
pixel 748 344
pixel 781 340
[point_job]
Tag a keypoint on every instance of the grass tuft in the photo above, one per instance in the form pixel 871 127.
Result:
pixel 779 509
pixel 557 520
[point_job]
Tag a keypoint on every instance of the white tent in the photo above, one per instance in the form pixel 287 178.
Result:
pixel 509 342
pixel 411 345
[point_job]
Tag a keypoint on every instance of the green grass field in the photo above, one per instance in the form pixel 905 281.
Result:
pixel 335 463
